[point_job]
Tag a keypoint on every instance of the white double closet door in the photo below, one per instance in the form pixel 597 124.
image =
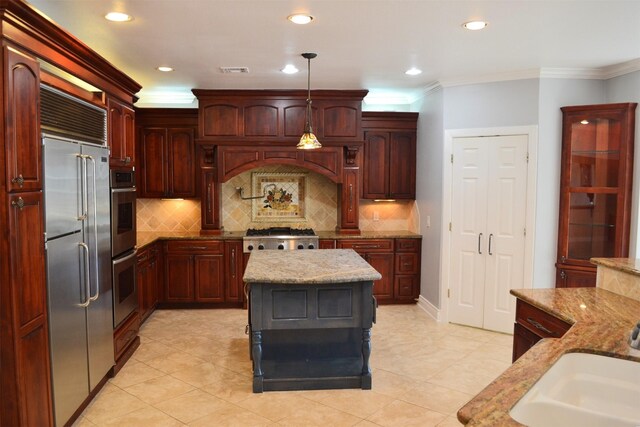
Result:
pixel 489 193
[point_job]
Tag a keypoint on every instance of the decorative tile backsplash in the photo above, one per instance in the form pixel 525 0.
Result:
pixel 321 208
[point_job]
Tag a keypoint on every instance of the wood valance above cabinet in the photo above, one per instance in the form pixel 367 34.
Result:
pixel 228 117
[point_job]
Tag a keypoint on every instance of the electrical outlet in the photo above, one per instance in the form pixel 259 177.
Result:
pixel 376 216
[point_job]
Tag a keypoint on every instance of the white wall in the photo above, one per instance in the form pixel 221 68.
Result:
pixel 626 88
pixel 429 191
pixel 554 93
pixel 509 103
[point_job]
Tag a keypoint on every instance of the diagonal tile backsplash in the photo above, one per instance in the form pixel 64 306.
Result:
pixel 322 208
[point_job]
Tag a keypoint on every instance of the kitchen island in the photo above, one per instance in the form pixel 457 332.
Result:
pixel 310 319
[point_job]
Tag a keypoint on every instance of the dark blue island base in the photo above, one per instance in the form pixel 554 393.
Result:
pixel 311 336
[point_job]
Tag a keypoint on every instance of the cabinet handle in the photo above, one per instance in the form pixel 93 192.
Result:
pixel 196 247
pixel 563 259
pixel 563 275
pixel 19 203
pixel 479 241
pixel 366 246
pixel 233 263
pixel 490 238
pixel 209 198
pixel 538 326
pixel 18 180
pixel 127 160
pixel 350 197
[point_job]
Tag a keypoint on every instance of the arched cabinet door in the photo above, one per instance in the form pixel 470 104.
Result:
pixel 22 131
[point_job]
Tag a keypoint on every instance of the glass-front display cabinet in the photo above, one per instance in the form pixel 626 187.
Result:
pixel 595 189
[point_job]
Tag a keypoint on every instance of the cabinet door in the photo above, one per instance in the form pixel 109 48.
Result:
pixel 142 283
pixel 405 287
pixel 28 342
pixel 375 181
pixel 327 244
pixel 178 278
pixel 22 122
pixel 233 261
pixel 210 219
pixel 349 200
pixel 153 155
pixel 383 263
pixel 402 165
pixel 575 278
pixel 181 165
pixel 121 134
pixel 153 280
pixel 209 278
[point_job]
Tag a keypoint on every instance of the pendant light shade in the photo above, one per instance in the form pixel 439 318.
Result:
pixel 308 141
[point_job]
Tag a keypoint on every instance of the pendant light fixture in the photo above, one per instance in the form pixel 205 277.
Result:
pixel 308 141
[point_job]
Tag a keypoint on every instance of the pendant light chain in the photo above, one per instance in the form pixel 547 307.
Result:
pixel 308 141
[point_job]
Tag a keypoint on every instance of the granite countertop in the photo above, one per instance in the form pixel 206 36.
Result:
pixel 308 267
pixel 602 321
pixel 147 237
pixel 628 265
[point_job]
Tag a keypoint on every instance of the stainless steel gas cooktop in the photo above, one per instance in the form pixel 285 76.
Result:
pixel 282 238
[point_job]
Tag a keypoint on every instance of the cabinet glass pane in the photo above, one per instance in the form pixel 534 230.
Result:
pixel 592 225
pixel 595 152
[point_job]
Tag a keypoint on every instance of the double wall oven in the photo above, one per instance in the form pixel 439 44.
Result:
pixel 123 244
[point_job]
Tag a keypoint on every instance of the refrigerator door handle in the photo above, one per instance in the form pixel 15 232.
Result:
pixel 86 274
pixel 83 188
pixel 95 227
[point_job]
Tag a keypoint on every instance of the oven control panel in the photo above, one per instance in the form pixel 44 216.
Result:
pixel 256 243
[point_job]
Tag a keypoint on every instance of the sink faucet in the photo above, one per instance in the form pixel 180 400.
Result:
pixel 634 338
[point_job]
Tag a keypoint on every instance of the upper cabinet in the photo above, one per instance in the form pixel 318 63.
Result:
pixel 121 130
pixel 22 118
pixel 228 116
pixel 595 189
pixel 166 152
pixel 389 155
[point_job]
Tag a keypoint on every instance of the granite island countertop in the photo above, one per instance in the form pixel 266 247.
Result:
pixel 602 321
pixel 308 267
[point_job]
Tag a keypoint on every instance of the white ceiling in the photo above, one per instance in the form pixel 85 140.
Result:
pixel 361 44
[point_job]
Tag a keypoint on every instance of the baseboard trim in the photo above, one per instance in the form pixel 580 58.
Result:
pixel 430 309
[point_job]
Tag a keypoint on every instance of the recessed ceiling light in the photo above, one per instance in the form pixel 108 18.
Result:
pixel 164 69
pixel 118 17
pixel 300 18
pixel 413 71
pixel 475 25
pixel 585 122
pixel 289 69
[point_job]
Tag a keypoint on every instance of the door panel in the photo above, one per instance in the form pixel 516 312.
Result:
pixel 209 278
pixel 468 231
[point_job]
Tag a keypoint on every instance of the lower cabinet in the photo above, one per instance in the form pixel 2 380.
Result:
pixel 397 260
pixel 148 279
pixel 569 276
pixel 533 324
pixel 126 340
pixel 198 271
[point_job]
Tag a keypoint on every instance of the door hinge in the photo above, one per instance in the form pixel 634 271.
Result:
pixel 450 227
pixel 452 158
pixel 448 293
pixel 525 231
pixel 527 157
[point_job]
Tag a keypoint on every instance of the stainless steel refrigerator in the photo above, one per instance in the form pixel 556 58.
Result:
pixel 78 250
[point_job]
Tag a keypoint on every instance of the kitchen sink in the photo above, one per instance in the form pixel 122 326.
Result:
pixel 583 389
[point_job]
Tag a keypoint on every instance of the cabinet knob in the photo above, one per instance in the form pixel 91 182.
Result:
pixel 18 180
pixel 19 203
pixel 127 160
pixel 563 275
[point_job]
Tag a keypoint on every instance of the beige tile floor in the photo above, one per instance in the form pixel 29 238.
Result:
pixel 193 369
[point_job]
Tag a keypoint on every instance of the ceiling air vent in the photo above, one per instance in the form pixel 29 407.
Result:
pixel 234 70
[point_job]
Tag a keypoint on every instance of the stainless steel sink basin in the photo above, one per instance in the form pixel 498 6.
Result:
pixel 583 389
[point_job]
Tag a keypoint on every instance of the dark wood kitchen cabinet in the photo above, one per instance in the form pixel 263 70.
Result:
pixel 121 131
pixel 595 189
pixel 149 279
pixel 389 169
pixel 196 272
pixel 378 253
pixel 533 324
pixel 406 279
pixel 166 153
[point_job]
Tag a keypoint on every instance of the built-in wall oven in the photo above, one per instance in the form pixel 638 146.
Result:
pixel 123 244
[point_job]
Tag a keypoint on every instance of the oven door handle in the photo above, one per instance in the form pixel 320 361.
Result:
pixel 125 258
pixel 124 190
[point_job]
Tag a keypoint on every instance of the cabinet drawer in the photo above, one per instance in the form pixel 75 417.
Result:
pixel 195 246
pixel 539 322
pixel 125 334
pixel 368 245
pixel 406 287
pixel 407 245
pixel 407 263
pixel 327 244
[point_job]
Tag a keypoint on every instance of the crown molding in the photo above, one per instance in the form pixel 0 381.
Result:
pixel 621 69
pixel 491 78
